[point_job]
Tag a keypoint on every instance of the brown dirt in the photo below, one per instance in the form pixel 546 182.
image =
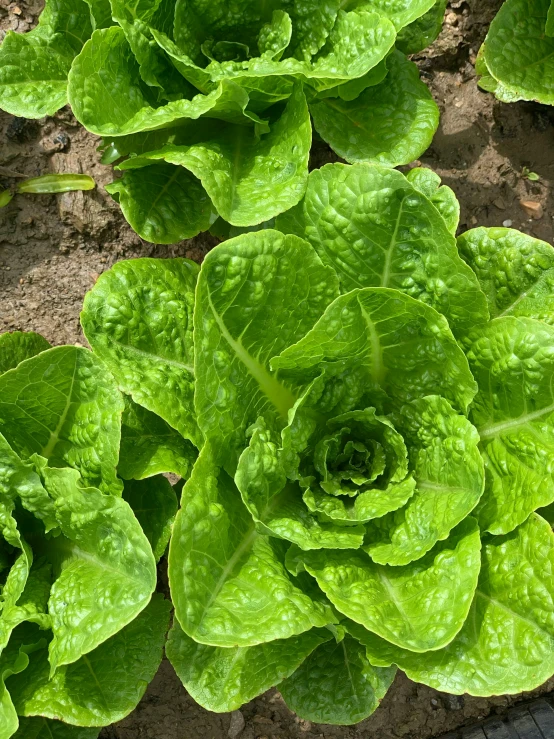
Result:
pixel 52 249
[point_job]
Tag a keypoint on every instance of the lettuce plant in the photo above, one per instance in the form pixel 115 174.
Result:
pixel 210 104
pixel 516 59
pixel 81 633
pixel 373 407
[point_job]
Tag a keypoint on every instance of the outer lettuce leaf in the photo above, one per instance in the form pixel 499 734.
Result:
pixel 38 727
pixel 391 123
pixel 105 572
pixel 228 583
pixel 420 606
pixel 516 271
pixel 19 345
pixel 400 12
pixel 378 230
pixel 164 204
pixel 103 687
pixel 240 324
pixel 149 446
pixel 419 34
pixel 443 197
pixel 513 363
pixel 506 644
pixel 154 503
pixel 402 346
pixel 223 679
pixel 450 478
pixel 64 406
pixel 249 179
pixel 147 347
pixel 336 684
pixel 34 66
pixel 518 54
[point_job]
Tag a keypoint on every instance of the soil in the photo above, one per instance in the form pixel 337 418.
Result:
pixel 52 249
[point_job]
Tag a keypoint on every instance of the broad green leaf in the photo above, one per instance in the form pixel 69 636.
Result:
pixel 516 271
pixel 249 179
pixel 17 346
pixel 336 684
pixel 38 727
pixel 420 606
pixel 154 503
pixel 163 203
pixel 34 66
pixel 103 687
pixel 275 36
pixel 100 13
pixel 450 477
pixel 442 196
pixel 277 503
pixel 223 679
pixel 138 320
pixel 519 54
pixel 256 295
pixel 65 406
pixel 391 123
pixel 32 604
pixel 313 21
pixel 107 97
pixel 105 571
pixel 376 229
pixel 352 89
pixel 402 346
pixel 507 642
pixel 513 362
pixel 150 446
pixel 19 479
pixel 358 41
pixel 228 582
pixel 421 33
pixel 401 12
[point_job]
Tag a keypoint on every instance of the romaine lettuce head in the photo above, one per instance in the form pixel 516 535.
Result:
pixel 209 104
pixel 80 634
pixel 373 406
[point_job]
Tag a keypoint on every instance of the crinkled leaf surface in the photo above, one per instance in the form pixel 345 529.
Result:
pixel 34 66
pixel 154 503
pixel 401 12
pixel 18 346
pixel 512 360
pixel 516 271
pixel 449 475
pixel 150 446
pixel 104 567
pixel 420 606
pixel 376 229
pixel 443 197
pixel 506 644
pixel 336 684
pixel 421 33
pixel 163 203
pixel 138 319
pixel 403 346
pixel 223 679
pixel 391 123
pixel 257 294
pixel 249 179
pixel 228 583
pixel 63 405
pixel 519 54
pixel 103 686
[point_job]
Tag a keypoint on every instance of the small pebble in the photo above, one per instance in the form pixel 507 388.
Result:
pixel 532 208
pixel 237 724
pixel 507 223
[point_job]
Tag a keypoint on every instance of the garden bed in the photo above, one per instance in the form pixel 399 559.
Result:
pixel 52 249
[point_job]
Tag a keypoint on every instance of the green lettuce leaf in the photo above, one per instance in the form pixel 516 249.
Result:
pixel 336 684
pixel 419 606
pixel 400 12
pixel 506 644
pixel 442 196
pixel 147 347
pixel 38 727
pixel 154 503
pixel 64 406
pixel 513 363
pixel 421 33
pixel 391 123
pixel 228 582
pixel 223 679
pixel 17 346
